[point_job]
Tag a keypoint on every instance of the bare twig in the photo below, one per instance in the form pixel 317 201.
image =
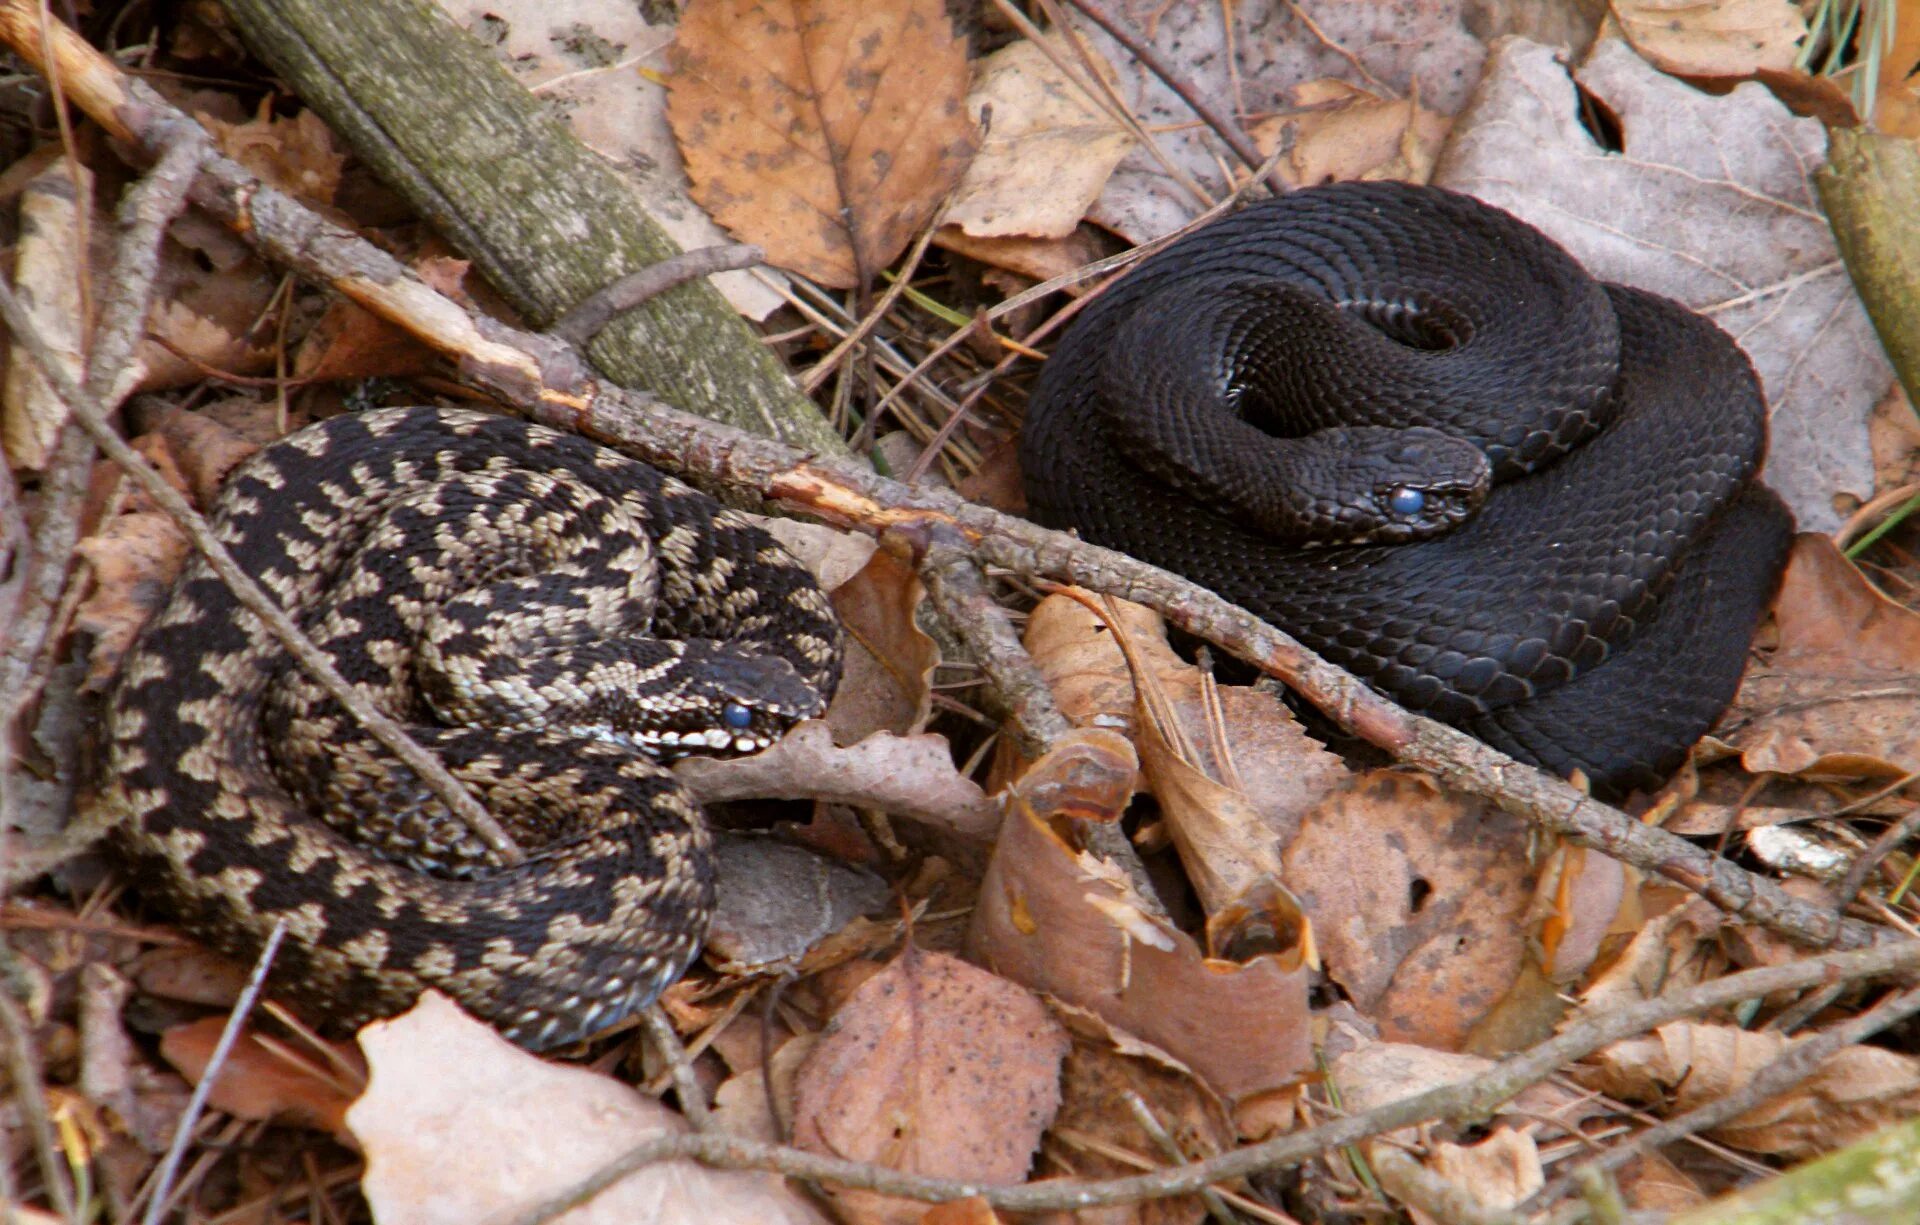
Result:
pixel 1796 1064
pixel 597 310
pixel 1863 864
pixel 824 368
pixel 686 1086
pixel 88 415
pixel 1473 1097
pixel 1234 136
pixel 30 1091
pixel 236 1021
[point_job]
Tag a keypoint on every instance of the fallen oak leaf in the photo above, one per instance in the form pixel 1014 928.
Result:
pixel 827 133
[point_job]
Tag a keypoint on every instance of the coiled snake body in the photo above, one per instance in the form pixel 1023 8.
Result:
pixel 546 616
pixel 1237 409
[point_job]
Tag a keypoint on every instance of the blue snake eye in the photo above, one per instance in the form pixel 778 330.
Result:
pixel 1405 501
pixel 737 716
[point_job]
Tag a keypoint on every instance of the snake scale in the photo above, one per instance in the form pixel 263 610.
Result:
pixel 1410 430
pixel 545 615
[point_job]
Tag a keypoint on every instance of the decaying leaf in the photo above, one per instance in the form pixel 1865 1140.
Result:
pixel 933 1066
pixel 134 558
pixel 1067 923
pixel 263 1079
pixel 1341 132
pixel 828 133
pixel 908 776
pixel 49 264
pixel 1048 148
pixel 1417 898
pixel 1710 203
pixel 1410 49
pixel 509 1130
pixel 1855 1092
pixel 296 155
pixel 1713 38
pixel 888 685
pixel 1838 695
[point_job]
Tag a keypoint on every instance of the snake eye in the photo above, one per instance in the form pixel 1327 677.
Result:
pixel 737 716
pixel 1405 501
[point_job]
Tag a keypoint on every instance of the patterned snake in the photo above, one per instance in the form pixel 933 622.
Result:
pixel 1410 430
pixel 547 617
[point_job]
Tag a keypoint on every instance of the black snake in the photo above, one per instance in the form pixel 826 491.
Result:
pixel 1237 409
pixel 547 617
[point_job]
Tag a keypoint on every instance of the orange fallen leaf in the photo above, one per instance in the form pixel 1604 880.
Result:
pixel 1837 697
pixel 933 1066
pixel 263 1079
pixel 826 131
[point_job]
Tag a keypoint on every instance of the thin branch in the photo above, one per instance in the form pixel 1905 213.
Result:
pixel 686 1085
pixel 183 1132
pixel 1796 1064
pixel 598 309
pixel 1476 1096
pixel 23 1070
pixel 1234 136
pixel 88 415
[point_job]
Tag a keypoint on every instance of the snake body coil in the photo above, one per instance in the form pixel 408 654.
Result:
pixel 543 614
pixel 1305 405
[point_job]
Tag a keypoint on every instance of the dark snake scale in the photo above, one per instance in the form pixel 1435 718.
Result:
pixel 1410 430
pixel 546 616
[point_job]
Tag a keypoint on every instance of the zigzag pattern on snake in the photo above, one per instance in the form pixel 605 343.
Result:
pixel 545 615
pixel 1237 409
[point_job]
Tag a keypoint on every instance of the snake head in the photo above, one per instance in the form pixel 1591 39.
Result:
pixel 724 701
pixel 1375 485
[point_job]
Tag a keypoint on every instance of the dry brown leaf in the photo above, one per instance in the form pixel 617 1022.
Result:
pixel 1651 1183
pixel 828 133
pixel 49 266
pixel 1103 1086
pixel 1838 695
pixel 1342 132
pixel 1501 1171
pixel 907 776
pixel 1048 148
pixel 1896 111
pixel 1409 49
pixel 264 1080
pixel 134 558
pixel 932 1066
pixel 1282 769
pixel 1067 923
pixel 1417 899
pixel 1376 1073
pixel 775 901
pixel 1855 1092
pixel 296 155
pixel 459 1125
pixel 888 684
pixel 1713 38
pixel 1710 204
pixel 1030 260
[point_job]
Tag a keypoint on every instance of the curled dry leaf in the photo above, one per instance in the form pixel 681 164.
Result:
pixel 1048 147
pixel 1856 1091
pixel 510 1129
pixel 1067 923
pixel 1341 132
pixel 1377 1073
pixel 296 155
pixel 888 685
pixel 1418 899
pixel 264 1080
pixel 1838 696
pixel 1713 38
pixel 48 265
pixel 828 133
pixel 1709 203
pixel 1501 1171
pixel 933 1066
pixel 907 776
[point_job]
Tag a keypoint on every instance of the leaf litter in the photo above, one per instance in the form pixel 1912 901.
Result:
pixel 988 996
